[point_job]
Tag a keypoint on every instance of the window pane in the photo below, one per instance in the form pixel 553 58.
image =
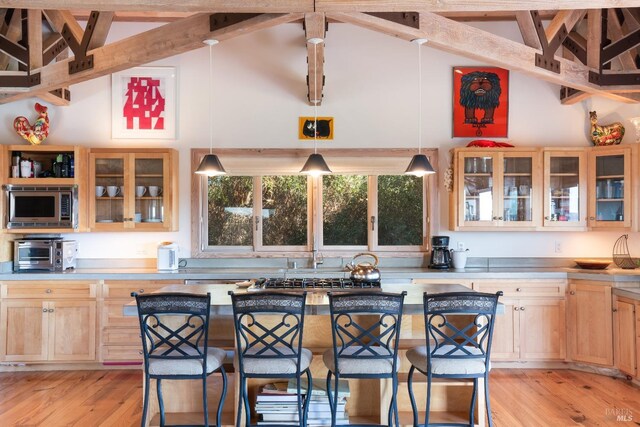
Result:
pixel 284 210
pixel 344 210
pixel 230 207
pixel 399 210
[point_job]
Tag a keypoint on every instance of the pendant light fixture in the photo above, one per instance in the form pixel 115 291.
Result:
pixel 315 164
pixel 420 165
pixel 210 164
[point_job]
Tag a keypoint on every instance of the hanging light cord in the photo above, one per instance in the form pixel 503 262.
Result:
pixel 210 98
pixel 419 98
pixel 315 101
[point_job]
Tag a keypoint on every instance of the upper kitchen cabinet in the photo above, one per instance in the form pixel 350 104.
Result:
pixel 565 189
pixel 133 190
pixel 610 187
pixel 496 189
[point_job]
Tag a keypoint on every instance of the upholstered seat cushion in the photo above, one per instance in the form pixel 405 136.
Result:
pixel 447 366
pixel 360 365
pixel 276 365
pixel 215 358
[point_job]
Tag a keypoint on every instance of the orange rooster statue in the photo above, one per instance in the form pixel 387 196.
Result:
pixel 37 132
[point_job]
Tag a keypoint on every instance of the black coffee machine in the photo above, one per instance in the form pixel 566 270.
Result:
pixel 440 255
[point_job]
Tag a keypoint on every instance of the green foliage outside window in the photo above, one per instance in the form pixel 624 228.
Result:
pixel 284 210
pixel 344 210
pixel 400 210
pixel 230 208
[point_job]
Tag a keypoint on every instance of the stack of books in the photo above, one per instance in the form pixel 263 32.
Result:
pixel 277 404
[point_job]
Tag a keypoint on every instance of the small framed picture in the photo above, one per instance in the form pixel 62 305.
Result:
pixel 143 103
pixel 306 128
pixel 480 102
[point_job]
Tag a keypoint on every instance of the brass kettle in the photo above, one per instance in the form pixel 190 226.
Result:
pixel 364 271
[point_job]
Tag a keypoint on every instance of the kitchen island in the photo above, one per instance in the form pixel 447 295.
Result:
pixel 368 397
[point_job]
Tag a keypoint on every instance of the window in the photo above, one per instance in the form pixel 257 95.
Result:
pixel 290 213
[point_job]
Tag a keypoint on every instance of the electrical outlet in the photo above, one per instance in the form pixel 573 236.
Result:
pixel 461 246
pixel 558 246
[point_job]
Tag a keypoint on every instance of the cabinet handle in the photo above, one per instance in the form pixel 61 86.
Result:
pixel 139 351
pixel 500 218
pixel 572 293
pixel 51 310
pixel 521 308
pixel 516 308
pixel 48 291
pixel 495 218
pixel 518 289
pixel 547 218
pixel 141 291
pixel 44 310
pixel 591 218
pixel 373 223
pixel 614 309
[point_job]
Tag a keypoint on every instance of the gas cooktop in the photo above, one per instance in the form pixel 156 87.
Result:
pixel 311 284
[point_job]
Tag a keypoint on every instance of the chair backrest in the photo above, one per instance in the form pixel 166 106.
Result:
pixel 460 324
pixel 268 325
pixel 366 325
pixel 174 326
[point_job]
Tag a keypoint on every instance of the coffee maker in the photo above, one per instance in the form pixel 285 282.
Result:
pixel 440 255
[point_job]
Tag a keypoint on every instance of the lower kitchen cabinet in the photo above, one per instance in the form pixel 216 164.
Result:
pixel 38 330
pixel 625 336
pixel 590 322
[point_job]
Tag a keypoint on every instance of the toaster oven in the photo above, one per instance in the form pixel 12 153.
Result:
pixel 47 254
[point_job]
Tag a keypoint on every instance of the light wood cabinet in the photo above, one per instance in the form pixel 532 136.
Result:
pixel 565 189
pixel 496 189
pixel 610 187
pixel 133 190
pixel 625 336
pixel 50 321
pixel 533 325
pixel 590 322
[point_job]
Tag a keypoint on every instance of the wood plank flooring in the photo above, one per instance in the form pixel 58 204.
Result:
pixel 520 397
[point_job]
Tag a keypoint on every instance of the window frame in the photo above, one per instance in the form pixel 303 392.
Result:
pixel 250 157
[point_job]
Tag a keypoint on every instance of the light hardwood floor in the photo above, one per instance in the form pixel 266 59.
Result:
pixel 519 397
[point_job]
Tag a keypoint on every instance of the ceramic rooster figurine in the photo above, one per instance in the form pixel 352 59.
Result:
pixel 37 132
pixel 605 135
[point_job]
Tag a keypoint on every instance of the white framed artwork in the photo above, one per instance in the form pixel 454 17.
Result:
pixel 143 103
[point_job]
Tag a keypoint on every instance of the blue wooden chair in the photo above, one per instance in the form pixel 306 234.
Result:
pixel 362 348
pixel 459 331
pixel 175 328
pixel 269 328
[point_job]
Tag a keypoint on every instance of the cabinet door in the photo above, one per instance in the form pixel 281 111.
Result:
pixel 565 195
pixel 108 200
pixel 72 330
pixel 24 330
pixel 590 323
pixel 506 332
pixel 476 189
pixel 542 329
pixel 625 337
pixel 519 183
pixel 153 190
pixel 610 188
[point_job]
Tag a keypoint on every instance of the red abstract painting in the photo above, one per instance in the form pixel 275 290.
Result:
pixel 144 105
pixel 480 102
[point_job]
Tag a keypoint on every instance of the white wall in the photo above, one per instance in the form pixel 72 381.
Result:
pixel 371 83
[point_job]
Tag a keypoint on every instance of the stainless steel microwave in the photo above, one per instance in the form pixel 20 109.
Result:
pixel 36 206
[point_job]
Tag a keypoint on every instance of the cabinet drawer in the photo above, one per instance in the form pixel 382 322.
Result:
pixel 523 288
pixel 123 289
pixel 121 353
pixel 112 315
pixel 121 336
pixel 49 290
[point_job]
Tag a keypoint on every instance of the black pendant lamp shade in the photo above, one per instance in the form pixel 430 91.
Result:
pixel 210 166
pixel 420 166
pixel 315 165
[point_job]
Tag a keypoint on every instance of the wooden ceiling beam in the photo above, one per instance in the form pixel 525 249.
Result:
pixel 58 18
pixel 315 25
pixel 528 29
pixel 101 30
pixel 460 39
pixel 34 37
pixel 568 18
pixel 614 27
pixel 12 32
pixel 161 42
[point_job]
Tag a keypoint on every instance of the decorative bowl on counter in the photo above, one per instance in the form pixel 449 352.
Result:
pixel 593 264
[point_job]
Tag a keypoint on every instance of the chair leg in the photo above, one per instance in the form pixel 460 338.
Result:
pixel 307 399
pixel 473 402
pixel 145 401
pixel 334 409
pixel 299 401
pixel 412 398
pixel 205 407
pixel 426 415
pixel 396 416
pixel 245 395
pixel 329 391
pixel 223 396
pixel 486 397
pixel 240 400
pixel 160 402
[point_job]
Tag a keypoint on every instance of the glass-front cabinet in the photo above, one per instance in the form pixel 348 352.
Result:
pixel 565 194
pixel 610 195
pixel 497 189
pixel 132 190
